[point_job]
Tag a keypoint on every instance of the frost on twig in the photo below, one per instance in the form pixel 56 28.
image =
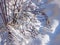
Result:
pixel 27 22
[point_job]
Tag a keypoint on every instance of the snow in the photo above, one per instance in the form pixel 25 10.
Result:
pixel 42 39
pixel 54 25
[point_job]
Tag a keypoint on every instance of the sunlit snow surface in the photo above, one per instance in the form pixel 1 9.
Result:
pixel 43 39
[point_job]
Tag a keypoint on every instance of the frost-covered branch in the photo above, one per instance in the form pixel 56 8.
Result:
pixel 28 22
